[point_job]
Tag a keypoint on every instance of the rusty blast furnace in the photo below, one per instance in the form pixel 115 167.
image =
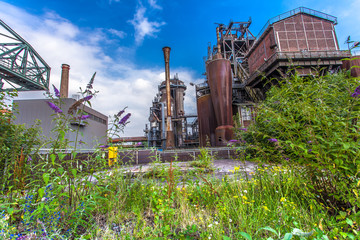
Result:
pixel 240 68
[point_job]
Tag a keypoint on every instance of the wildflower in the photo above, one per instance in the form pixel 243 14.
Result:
pixel 210 225
pixel 244 197
pixel 272 140
pixel 243 129
pixel 282 199
pixel 29 159
pixel 81 142
pixel 78 103
pixel 233 141
pixel 309 142
pixel 87 98
pixel 230 220
pixel 54 107
pixel 236 168
pixel 216 223
pixel 356 92
pixel 104 146
pixel 265 208
pixel 84 117
pixel 245 191
pixel 310 150
pixel 121 112
pixel 57 92
pixel 125 119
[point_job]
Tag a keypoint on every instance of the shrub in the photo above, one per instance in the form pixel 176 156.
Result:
pixel 313 122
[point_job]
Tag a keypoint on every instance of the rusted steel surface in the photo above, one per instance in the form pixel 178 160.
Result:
pixel 220 82
pixel 170 139
pixel 299 33
pixel 349 65
pixel 166 51
pixel 129 139
pixel 207 120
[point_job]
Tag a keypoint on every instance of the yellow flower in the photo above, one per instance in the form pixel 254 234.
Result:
pixel 236 168
pixel 236 196
pixel 282 199
pixel 265 208
pixel 244 197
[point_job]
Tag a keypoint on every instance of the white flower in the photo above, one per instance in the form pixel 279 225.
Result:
pixel 230 220
pixel 216 223
pixel 245 191
pixel 210 225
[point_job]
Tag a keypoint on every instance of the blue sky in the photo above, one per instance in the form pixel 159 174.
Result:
pixel 122 40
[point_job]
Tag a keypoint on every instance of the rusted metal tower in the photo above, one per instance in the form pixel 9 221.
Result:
pixel 21 67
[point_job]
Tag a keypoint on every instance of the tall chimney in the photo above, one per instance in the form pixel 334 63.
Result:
pixel 170 143
pixel 64 85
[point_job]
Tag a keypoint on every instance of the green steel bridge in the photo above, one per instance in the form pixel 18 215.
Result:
pixel 21 67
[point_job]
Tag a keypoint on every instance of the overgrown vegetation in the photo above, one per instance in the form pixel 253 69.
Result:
pixel 306 131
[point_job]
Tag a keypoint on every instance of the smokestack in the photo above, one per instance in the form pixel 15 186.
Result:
pixel 64 85
pixel 169 133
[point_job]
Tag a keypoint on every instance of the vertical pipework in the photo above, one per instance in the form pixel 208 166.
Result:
pixel 169 132
pixel 64 85
pixel 166 51
pixel 218 39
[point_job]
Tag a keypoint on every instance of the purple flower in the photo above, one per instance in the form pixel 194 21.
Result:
pixel 87 98
pixel 104 146
pixel 310 150
pixel 356 92
pixel 125 119
pixel 309 141
pixel 233 141
pixel 57 93
pixel 287 159
pixel 120 113
pixel 81 142
pixel 84 117
pixel 29 159
pixel 272 140
pixel 139 143
pixel 243 129
pixel 54 107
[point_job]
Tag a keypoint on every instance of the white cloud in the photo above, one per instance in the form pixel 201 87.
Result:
pixel 120 34
pixel 154 4
pixel 144 27
pixel 120 82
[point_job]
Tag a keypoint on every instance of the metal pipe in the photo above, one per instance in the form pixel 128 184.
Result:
pixel 166 51
pixel 163 135
pixel 169 132
pixel 218 39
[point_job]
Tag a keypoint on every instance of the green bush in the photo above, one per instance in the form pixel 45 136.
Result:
pixel 313 123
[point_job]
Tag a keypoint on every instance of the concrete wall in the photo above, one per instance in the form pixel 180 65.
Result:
pixel 93 132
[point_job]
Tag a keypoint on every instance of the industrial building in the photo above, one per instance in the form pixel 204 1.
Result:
pixel 240 68
pixel 82 134
pixel 168 127
pixel 23 69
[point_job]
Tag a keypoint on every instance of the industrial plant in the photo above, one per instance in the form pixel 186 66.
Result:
pixel 240 68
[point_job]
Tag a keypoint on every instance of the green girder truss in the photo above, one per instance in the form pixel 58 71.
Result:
pixel 21 67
